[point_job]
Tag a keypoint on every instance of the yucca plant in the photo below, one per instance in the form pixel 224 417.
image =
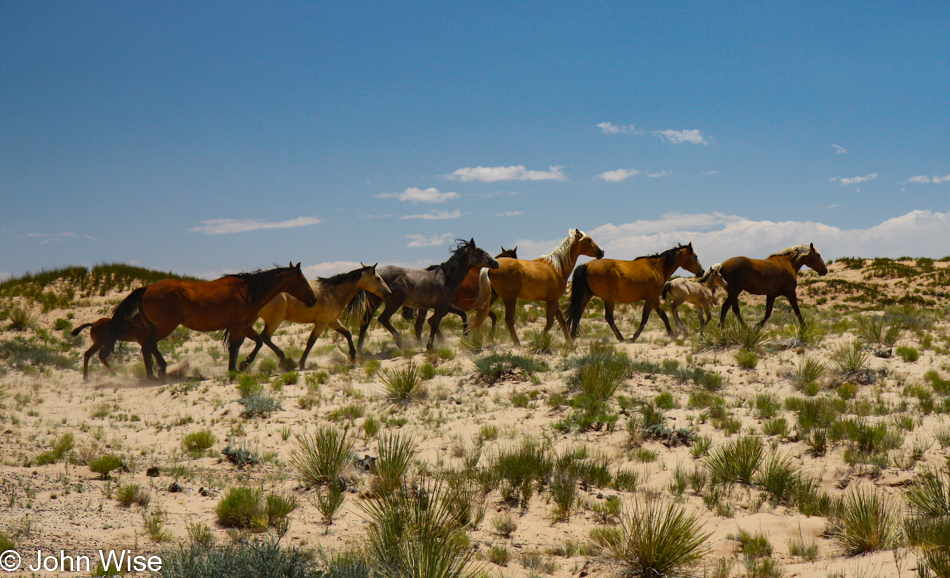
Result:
pixel 866 522
pixel 321 457
pixel 850 358
pixel 930 494
pixel 808 371
pixel 653 539
pixel 539 341
pixel 879 329
pixel 737 461
pixel 403 385
pixel 396 451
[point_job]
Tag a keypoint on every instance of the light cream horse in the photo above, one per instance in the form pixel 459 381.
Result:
pixel 700 292
pixel 333 295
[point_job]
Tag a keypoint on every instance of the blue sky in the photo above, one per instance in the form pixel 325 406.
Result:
pixel 217 137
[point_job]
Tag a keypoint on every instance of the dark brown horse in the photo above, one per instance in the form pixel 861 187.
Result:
pixel 616 281
pixel 773 277
pixel 230 303
pixel 433 288
pixel 466 299
pixel 134 330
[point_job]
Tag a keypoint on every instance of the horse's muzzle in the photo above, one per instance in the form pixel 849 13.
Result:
pixel 600 254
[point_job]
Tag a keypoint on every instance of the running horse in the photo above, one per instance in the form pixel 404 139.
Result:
pixel 334 295
pixel 616 281
pixel 543 279
pixel 775 276
pixel 475 284
pixel 135 331
pixel 700 292
pixel 433 288
pixel 230 303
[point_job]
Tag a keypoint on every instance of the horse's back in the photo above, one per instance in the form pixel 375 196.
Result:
pixel 757 276
pixel 534 280
pixel 623 281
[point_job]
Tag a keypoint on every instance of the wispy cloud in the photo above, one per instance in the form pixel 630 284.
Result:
pixel 433 241
pixel 435 215
pixel 508 214
pixel 611 128
pixel 846 181
pixel 925 180
pixel 414 195
pixel 659 174
pixel 229 226
pixel 693 136
pixel 512 173
pixel 718 236
pixel 618 175
pixel 840 150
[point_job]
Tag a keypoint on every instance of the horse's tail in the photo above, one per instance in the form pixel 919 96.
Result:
pixel 483 301
pixel 580 294
pixel 129 308
pixel 79 329
pixel 666 290
pixel 359 306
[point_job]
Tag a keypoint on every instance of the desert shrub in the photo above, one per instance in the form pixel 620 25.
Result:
pixel 403 385
pixel 495 366
pixel 747 359
pixel 24 355
pixel 908 354
pixel 62 446
pixel 866 522
pixel 321 457
pixel 928 526
pixel 250 509
pixel 539 341
pixel 105 464
pixel 133 494
pixel 737 461
pixel 880 329
pixel 653 539
pixel 197 443
pixel 395 451
pixel 252 559
pixel 517 472
pixel 241 455
pixel 259 405
pixel 850 358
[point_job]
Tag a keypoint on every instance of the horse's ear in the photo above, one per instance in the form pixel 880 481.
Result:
pixel 374 265
pixel 471 241
pixel 812 246
pixel 298 265
pixel 690 245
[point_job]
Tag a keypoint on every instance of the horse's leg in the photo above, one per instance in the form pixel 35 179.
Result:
pixel 491 314
pixel 677 322
pixel 162 364
pixel 494 320
pixel 549 315
pixel 339 328
pixel 148 344
pixel 643 321
pixel 461 313
pixel 105 361
pixel 85 360
pixel 769 303
pixel 383 319
pixel 437 315
pixel 258 343
pixel 659 311
pixel 420 321
pixel 735 309
pixel 510 306
pixel 725 310
pixel 560 319
pixel 609 317
pixel 266 335
pixel 234 348
pixel 371 306
pixel 793 301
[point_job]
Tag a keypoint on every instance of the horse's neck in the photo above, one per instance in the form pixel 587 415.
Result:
pixel 345 293
pixel 454 281
pixel 276 288
pixel 796 262
pixel 569 261
pixel 668 270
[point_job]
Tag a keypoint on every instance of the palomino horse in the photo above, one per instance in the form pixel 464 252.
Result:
pixel 135 331
pixel 616 281
pixel 230 303
pixel 466 299
pixel 543 279
pixel 433 288
pixel 700 292
pixel 774 276
pixel 333 295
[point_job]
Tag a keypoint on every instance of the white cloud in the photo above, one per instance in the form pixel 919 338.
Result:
pixel 718 236
pixel 414 195
pixel 435 215
pixel 328 268
pixel 512 173
pixel 618 175
pixel 659 174
pixel 845 181
pixel 229 226
pixel 693 136
pixel 433 241
pixel 925 180
pixel 610 128
pixel 840 150
pixel 705 173
pixel 508 214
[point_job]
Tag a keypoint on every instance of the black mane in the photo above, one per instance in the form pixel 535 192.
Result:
pixel 348 277
pixel 668 256
pixel 258 281
pixel 452 264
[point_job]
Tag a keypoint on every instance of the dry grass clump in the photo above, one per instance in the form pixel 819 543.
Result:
pixel 321 457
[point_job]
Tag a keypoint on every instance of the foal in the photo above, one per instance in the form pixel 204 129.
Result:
pixel 135 331
pixel 700 292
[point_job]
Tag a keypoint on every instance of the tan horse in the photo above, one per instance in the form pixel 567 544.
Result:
pixel 700 292
pixel 230 303
pixel 616 281
pixel 333 295
pixel 543 279
pixel 774 276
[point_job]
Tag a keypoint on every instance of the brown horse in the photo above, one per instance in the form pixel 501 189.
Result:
pixel 230 303
pixel 135 331
pixel 774 276
pixel 333 295
pixel 543 279
pixel 616 281
pixel 474 284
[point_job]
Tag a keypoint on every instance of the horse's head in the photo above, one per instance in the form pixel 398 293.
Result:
pixel 298 286
pixel 586 245
pixel 371 281
pixel 815 262
pixel 478 257
pixel 689 260
pixel 509 253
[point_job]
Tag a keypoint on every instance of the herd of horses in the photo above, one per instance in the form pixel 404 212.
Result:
pixel 469 280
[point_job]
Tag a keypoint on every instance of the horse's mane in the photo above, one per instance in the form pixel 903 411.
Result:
pixel 259 281
pixel 348 277
pixel 709 272
pixel 452 264
pixel 668 256
pixel 797 250
pixel 558 258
